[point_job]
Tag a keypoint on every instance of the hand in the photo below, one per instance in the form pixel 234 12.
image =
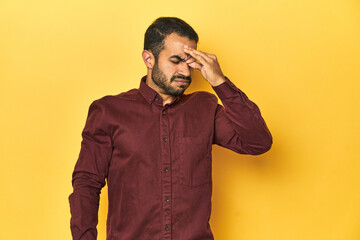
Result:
pixel 208 65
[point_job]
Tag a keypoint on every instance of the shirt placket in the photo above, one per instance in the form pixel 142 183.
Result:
pixel 166 173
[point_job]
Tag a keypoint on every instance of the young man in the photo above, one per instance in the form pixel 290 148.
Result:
pixel 153 144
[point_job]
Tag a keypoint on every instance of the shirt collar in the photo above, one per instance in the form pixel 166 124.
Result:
pixel 150 94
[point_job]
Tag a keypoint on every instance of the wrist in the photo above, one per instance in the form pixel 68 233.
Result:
pixel 218 81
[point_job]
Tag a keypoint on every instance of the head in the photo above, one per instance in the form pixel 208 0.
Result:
pixel 164 54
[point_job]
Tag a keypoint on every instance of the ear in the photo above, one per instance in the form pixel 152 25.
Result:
pixel 148 58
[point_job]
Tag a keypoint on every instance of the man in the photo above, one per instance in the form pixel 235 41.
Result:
pixel 153 144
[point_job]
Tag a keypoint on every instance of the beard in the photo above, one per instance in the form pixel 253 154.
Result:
pixel 162 82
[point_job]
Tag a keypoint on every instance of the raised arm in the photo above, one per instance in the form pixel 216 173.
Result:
pixel 239 126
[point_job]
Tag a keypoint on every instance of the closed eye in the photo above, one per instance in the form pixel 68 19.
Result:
pixel 176 59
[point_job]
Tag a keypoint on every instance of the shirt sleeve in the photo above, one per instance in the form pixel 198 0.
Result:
pixel 239 125
pixel 89 174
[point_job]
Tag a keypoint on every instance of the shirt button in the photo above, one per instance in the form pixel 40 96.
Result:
pixel 166 169
pixel 157 99
pixel 167 199
pixel 150 100
pixel 165 139
pixel 163 112
pixel 166 228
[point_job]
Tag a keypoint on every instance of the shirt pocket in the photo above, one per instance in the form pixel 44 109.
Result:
pixel 195 161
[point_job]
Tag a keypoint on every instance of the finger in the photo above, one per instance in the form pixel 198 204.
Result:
pixel 191 59
pixel 200 53
pixel 213 56
pixel 195 65
pixel 197 56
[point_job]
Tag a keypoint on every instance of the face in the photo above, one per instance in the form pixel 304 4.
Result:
pixel 171 73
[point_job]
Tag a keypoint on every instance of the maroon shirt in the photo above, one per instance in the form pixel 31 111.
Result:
pixel 157 161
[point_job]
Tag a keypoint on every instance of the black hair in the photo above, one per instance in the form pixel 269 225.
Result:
pixel 161 28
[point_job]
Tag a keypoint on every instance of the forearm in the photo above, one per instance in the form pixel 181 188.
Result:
pixel 84 206
pixel 249 133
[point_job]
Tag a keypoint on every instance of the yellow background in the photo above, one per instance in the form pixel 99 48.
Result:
pixel 298 60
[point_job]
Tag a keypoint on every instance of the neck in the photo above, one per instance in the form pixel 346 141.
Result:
pixel 165 97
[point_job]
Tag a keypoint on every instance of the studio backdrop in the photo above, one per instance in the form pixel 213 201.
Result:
pixel 299 61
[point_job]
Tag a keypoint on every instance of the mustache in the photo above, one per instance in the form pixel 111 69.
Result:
pixel 180 76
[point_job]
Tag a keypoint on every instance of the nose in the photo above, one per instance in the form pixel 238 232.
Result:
pixel 185 69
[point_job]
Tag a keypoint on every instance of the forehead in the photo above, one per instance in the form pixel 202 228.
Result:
pixel 174 44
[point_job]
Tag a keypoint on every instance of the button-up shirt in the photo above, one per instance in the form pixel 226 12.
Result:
pixel 157 161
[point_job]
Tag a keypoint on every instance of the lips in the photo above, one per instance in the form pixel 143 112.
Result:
pixel 182 81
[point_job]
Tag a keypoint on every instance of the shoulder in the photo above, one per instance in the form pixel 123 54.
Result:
pixel 109 100
pixel 110 104
pixel 201 97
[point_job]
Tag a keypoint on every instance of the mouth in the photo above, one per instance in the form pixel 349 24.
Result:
pixel 181 82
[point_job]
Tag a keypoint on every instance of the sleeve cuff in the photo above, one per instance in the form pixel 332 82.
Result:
pixel 227 89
